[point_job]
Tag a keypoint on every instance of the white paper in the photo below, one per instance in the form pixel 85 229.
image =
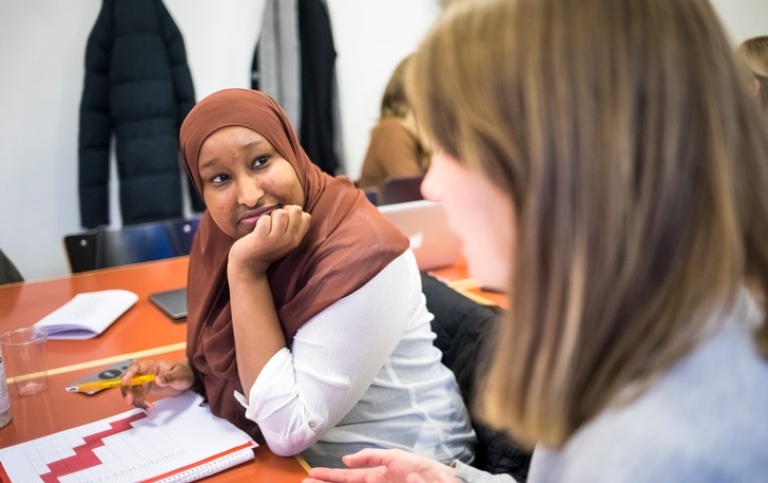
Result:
pixel 87 314
pixel 134 446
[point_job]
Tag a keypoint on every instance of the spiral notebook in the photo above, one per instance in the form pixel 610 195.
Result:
pixel 179 442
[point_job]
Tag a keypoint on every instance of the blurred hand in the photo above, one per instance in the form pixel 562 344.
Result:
pixel 171 379
pixel 384 466
pixel 272 238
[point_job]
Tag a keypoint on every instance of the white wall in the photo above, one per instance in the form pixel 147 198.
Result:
pixel 743 19
pixel 42 46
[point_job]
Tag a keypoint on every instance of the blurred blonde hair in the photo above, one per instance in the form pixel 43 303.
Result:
pixel 754 53
pixel 394 103
pixel 636 159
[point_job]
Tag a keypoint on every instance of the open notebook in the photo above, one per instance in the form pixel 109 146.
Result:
pixel 179 442
pixel 87 314
pixel 426 227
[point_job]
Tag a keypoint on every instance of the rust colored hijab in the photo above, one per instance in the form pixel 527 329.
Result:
pixel 347 244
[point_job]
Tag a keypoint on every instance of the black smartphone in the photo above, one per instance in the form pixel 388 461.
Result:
pixel 173 303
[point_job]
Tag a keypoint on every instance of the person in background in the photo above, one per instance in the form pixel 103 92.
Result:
pixel 754 53
pixel 397 147
pixel 293 334
pixel 604 162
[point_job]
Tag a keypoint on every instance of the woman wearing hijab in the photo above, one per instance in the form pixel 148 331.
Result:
pixel 307 325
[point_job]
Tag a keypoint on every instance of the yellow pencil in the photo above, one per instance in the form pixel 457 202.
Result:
pixel 106 383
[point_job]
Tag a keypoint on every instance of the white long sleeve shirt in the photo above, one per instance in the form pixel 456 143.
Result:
pixel 364 373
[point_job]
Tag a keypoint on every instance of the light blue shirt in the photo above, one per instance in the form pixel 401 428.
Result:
pixel 705 420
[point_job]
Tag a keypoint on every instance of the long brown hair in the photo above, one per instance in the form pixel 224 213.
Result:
pixel 637 163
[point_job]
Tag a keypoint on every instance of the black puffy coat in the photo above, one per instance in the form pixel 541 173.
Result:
pixel 463 328
pixel 137 88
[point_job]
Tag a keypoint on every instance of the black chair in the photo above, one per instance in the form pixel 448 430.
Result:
pixel 463 328
pixel 81 251
pixel 400 190
pixel 142 242
pixel 8 271
pixel 183 232
pixel 373 194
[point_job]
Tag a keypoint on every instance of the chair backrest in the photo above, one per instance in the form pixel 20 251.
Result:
pixel 183 232
pixel 400 190
pixel 134 243
pixel 8 271
pixel 81 251
pixel 110 247
pixel 373 193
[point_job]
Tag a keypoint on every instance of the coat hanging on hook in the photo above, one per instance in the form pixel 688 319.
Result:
pixel 294 62
pixel 137 91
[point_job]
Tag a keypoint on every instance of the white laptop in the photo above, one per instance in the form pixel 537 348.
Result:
pixel 425 225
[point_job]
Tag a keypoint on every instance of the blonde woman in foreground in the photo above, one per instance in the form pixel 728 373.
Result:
pixel 604 162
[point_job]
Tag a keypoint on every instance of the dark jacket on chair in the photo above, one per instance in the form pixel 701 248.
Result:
pixel 463 328
pixel 138 88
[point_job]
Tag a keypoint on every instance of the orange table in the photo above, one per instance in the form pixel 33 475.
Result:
pixel 456 277
pixel 142 328
pixel 143 331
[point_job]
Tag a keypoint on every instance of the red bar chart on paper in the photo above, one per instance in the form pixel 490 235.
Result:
pixel 171 444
